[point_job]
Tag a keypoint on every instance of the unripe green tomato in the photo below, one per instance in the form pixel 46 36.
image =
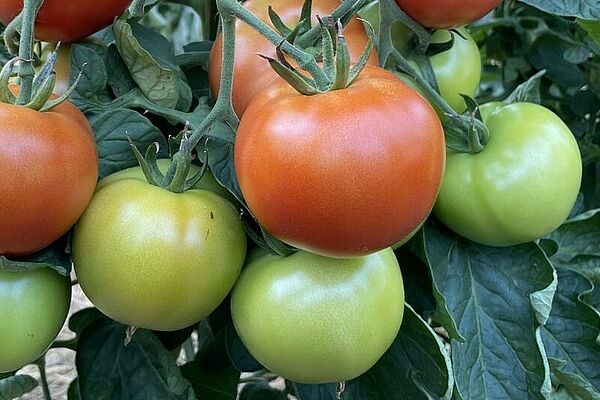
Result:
pixel 521 186
pixel 155 259
pixel 33 308
pixel 457 70
pixel 313 319
pixel 208 181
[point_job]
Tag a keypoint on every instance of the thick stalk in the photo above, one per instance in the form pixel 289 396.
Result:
pixel 313 34
pixel 26 70
pixel 430 92
pixel 41 364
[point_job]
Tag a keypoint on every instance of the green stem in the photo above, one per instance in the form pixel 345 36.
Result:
pixel 430 92
pixel 26 70
pixel 313 34
pixel 41 363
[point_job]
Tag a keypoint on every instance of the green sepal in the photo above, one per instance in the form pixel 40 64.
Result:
pixel 346 18
pixel 28 266
pixel 42 93
pixel 6 73
pixel 296 80
pixel 342 60
pixel 328 46
pixel 191 182
pixel 148 164
pixel 49 105
pixel 477 133
pixel 47 70
pixel 364 57
pixel 304 24
pixel 176 177
pixel 278 24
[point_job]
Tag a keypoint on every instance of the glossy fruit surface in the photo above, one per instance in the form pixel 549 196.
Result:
pixel 252 73
pixel 33 308
pixel 155 259
pixel 523 184
pixel 446 13
pixel 67 21
pixel 314 319
pixel 48 171
pixel 344 173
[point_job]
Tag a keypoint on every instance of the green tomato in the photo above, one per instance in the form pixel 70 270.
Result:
pixel 457 70
pixel 155 259
pixel 523 184
pixel 313 319
pixel 33 308
pixel 208 181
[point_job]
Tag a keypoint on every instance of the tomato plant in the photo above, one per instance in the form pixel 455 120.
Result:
pixel 501 292
pixel 171 243
pixel 54 167
pixel 523 184
pixel 33 308
pixel 307 317
pixel 340 191
pixel 446 13
pixel 252 73
pixel 67 21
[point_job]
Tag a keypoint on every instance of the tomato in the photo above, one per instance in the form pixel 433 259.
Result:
pixel 523 184
pixel 67 21
pixel 155 259
pixel 343 173
pixel 33 307
pixel 446 13
pixel 313 319
pixel 208 181
pixel 252 73
pixel 457 70
pixel 48 171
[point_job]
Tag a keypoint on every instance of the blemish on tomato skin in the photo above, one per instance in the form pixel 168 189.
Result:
pixel 212 216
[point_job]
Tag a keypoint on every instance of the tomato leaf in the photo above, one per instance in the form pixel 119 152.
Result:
pixel 592 28
pixel 528 91
pixel 496 298
pixel 112 128
pixel 578 245
pixel 571 337
pixel 585 9
pixel 54 256
pixel 417 366
pixel 108 369
pixel 151 61
pixel 15 386
pixel 261 391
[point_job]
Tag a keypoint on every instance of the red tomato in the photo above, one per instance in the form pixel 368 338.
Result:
pixel 344 173
pixel 67 21
pixel 252 73
pixel 446 13
pixel 48 172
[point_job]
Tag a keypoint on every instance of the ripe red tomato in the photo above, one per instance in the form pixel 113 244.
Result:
pixel 48 172
pixel 446 13
pixel 252 73
pixel 67 21
pixel 343 173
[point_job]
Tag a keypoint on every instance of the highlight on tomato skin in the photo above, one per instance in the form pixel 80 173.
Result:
pixel 252 73
pixel 67 21
pixel 440 14
pixel 344 173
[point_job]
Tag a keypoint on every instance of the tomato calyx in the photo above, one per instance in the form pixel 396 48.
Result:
pixel 466 133
pixel 335 58
pixel 175 179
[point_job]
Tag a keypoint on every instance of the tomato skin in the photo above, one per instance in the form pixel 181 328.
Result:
pixel 457 70
pixel 344 173
pixel 252 73
pixel 441 14
pixel 171 257
pixel 33 307
pixel 313 319
pixel 48 171
pixel 67 21
pixel 523 184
